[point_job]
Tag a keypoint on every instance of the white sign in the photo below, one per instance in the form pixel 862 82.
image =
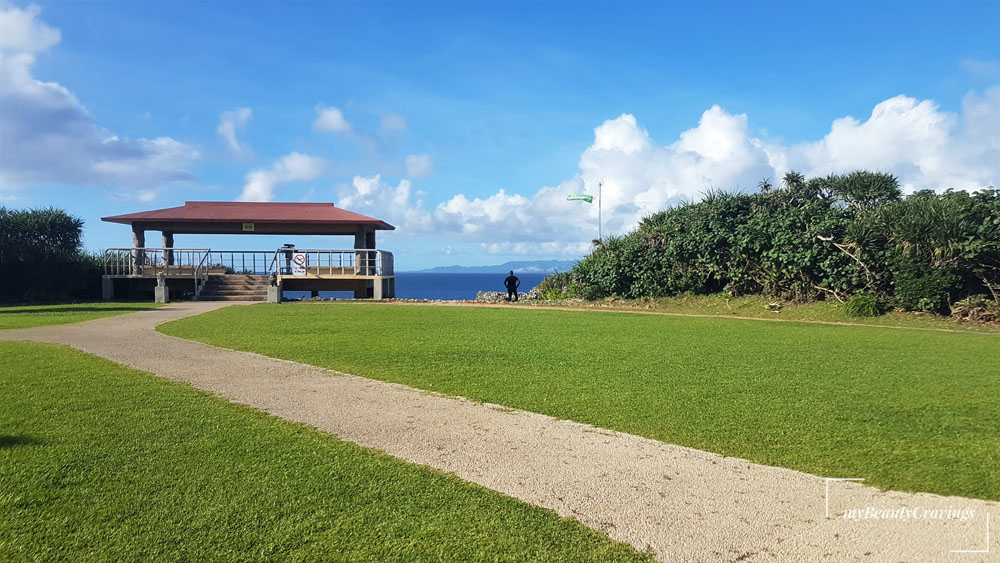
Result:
pixel 299 264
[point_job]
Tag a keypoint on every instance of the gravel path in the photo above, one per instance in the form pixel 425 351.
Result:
pixel 679 503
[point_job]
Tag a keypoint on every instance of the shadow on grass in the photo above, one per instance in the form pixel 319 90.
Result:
pixel 8 441
pixel 45 309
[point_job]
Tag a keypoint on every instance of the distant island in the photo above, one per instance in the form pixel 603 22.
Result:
pixel 525 267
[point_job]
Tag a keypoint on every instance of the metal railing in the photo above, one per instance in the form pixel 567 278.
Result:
pixel 321 261
pixel 251 262
pixel 149 262
pixel 199 262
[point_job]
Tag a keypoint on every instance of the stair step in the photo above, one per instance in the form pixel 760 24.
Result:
pixel 224 292
pixel 204 297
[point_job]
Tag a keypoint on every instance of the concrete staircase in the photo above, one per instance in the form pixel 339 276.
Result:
pixel 235 287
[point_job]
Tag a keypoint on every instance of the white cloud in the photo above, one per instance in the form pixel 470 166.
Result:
pixel 229 122
pixel 392 122
pixel 140 196
pixel 418 165
pixel 295 167
pixel 48 136
pixel 330 120
pixel 571 250
pixel 20 32
pixel 373 196
pixel 913 139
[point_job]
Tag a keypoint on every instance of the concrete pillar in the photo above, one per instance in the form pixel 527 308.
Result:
pixel 370 243
pixel 161 294
pixel 107 288
pixel 138 241
pixel 377 293
pixel 360 258
pixel 274 294
pixel 168 248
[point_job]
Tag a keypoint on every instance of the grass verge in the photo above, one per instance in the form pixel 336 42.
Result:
pixel 41 315
pixel 98 461
pixel 760 307
pixel 905 409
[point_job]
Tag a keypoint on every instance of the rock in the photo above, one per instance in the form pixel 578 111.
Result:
pixel 501 296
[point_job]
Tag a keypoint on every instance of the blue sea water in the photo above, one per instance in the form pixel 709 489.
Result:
pixel 419 285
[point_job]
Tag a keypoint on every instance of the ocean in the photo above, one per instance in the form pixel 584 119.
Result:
pixel 447 287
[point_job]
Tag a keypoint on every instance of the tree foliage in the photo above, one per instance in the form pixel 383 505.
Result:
pixel 41 257
pixel 807 239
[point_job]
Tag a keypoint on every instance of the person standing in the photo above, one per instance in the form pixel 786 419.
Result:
pixel 511 283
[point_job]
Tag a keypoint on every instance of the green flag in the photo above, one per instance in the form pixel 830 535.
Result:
pixel 580 197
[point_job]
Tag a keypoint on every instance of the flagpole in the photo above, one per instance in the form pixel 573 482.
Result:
pixel 600 189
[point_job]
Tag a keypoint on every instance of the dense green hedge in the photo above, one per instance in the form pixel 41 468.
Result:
pixel 41 258
pixel 829 237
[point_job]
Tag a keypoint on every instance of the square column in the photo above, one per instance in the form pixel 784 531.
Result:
pixel 168 248
pixel 138 256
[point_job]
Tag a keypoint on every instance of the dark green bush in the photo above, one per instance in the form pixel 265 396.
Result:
pixel 41 258
pixel 921 286
pixel 810 239
pixel 862 305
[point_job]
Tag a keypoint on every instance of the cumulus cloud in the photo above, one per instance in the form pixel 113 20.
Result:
pixel 330 120
pixel 397 204
pixel 229 122
pixel 418 165
pixel 913 139
pixel 295 167
pixel 20 32
pixel 48 136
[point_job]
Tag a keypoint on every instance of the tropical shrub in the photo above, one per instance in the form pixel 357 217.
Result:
pixel 809 239
pixel 921 286
pixel 862 305
pixel 41 258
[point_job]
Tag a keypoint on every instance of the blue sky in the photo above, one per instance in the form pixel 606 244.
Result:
pixel 465 124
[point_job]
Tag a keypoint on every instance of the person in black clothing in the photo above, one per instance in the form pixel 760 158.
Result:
pixel 511 283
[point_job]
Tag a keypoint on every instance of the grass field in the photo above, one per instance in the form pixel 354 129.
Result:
pixel 905 409
pixel 100 462
pixel 40 315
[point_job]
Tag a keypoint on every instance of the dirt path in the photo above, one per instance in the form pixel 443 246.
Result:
pixel 678 503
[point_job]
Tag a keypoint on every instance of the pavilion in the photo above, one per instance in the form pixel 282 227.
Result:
pixel 231 274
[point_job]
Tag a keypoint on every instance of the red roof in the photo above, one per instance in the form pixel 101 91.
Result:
pixel 250 212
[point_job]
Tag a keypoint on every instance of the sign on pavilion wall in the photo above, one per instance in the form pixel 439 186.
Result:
pixel 299 267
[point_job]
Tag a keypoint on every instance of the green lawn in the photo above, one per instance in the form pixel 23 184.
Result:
pixel 100 462
pixel 39 315
pixel 905 409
